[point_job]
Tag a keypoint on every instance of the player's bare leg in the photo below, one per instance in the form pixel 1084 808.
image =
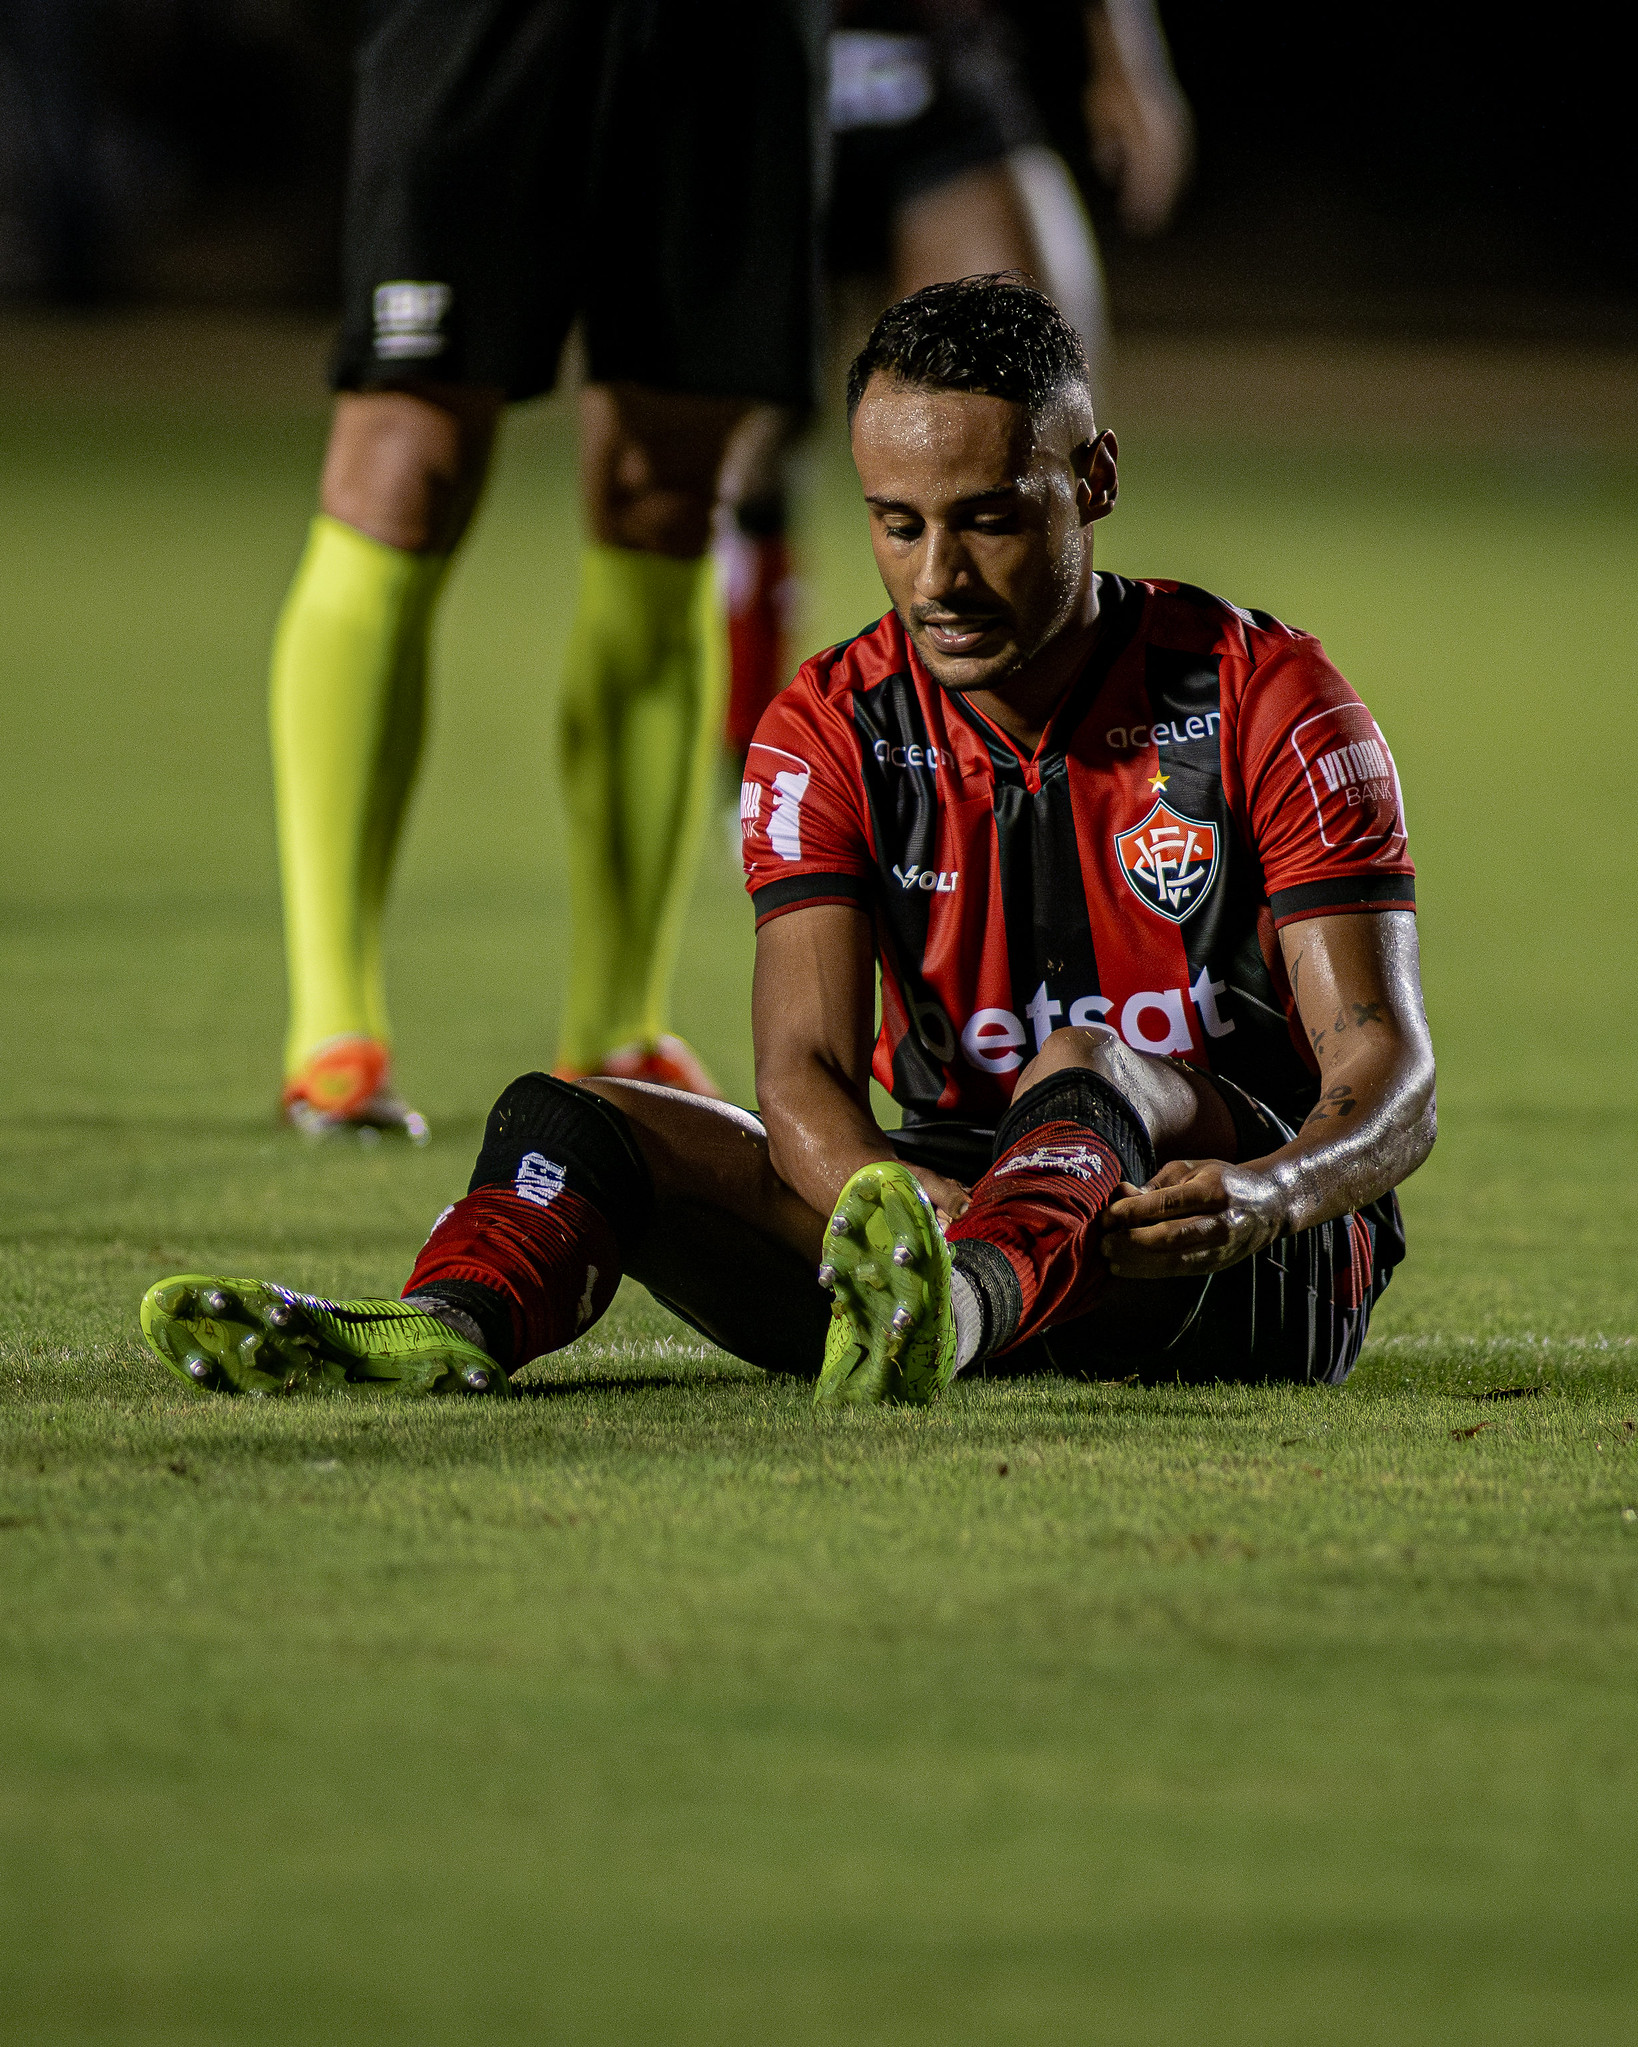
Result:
pixel 729 1246
pixel 573 1187
pixel 402 476
pixel 1022 213
pixel 642 693
pixel 1181 1110
pixel 408 466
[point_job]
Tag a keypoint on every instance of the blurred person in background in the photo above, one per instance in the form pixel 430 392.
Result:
pixel 944 167
pixel 180 150
pixel 53 125
pixel 649 169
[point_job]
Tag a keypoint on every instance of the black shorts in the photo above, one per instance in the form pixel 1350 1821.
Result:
pixel 913 113
pixel 1297 1310
pixel 654 168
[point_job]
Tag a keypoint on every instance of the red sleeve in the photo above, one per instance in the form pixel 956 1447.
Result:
pixel 804 835
pixel 1321 792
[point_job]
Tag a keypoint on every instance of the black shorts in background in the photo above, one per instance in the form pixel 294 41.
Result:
pixel 935 105
pixel 654 168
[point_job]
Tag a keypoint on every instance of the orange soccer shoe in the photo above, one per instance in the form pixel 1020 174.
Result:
pixel 346 1085
pixel 668 1062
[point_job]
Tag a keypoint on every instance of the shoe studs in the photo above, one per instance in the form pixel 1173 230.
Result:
pixel 215 1302
pixel 903 1320
pixel 827 1278
pixel 838 1225
pixel 279 1315
pixel 197 1366
pixel 902 1254
pixel 476 1380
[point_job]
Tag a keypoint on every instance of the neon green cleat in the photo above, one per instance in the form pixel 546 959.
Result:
pixel 246 1336
pixel 892 1333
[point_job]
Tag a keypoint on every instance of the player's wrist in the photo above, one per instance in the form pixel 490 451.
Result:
pixel 1275 1194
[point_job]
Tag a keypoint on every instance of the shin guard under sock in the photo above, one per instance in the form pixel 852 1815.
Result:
pixel 1028 1243
pixel 534 1252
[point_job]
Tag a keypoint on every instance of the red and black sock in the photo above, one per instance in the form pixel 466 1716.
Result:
pixel 1028 1244
pixel 533 1253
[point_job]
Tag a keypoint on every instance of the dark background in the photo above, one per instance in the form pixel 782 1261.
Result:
pixel 1400 169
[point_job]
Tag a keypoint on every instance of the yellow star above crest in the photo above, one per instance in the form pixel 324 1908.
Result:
pixel 1158 780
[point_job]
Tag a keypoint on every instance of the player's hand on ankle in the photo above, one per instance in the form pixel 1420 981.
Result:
pixel 1195 1216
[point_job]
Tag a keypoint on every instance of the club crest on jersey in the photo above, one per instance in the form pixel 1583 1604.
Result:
pixel 1170 861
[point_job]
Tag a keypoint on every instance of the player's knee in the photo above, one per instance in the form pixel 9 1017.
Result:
pixel 407 467
pixel 675 523
pixel 650 465
pixel 1069 1047
pixel 545 1135
pixel 1083 1076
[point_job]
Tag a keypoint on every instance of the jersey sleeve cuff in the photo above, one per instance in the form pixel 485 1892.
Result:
pixel 1346 897
pixel 808 891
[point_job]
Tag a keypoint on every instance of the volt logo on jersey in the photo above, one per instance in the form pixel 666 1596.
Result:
pixel 1169 860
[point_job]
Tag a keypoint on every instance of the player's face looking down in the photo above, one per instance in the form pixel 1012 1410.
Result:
pixel 981 521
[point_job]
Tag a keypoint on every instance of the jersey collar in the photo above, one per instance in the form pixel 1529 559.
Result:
pixel 1120 609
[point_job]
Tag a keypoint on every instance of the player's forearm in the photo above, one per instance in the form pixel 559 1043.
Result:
pixel 1372 1127
pixel 820 1129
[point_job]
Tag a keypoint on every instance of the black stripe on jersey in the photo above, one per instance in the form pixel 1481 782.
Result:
pixel 1238 1017
pixel 776 896
pixel 1120 613
pixel 1023 850
pixel 1184 687
pixel 1191 593
pixel 1362 892
pixel 1050 953
pixel 904 813
pixel 1180 687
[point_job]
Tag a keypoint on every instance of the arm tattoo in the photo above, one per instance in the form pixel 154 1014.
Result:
pixel 1367 1012
pixel 1334 1106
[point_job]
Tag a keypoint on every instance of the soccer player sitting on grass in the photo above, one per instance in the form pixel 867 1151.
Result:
pixel 1131 863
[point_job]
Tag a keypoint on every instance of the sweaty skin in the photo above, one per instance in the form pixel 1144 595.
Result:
pixel 981 521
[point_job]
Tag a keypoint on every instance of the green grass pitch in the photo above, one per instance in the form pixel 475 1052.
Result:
pixel 649 1707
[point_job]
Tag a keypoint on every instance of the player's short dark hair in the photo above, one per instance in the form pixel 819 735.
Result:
pixel 996 336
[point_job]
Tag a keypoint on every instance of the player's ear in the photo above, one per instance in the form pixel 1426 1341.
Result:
pixel 1096 484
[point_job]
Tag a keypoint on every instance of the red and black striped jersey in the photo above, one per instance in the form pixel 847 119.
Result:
pixel 1209 777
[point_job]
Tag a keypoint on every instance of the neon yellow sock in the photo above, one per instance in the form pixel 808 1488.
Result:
pixel 643 681
pixel 347 710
